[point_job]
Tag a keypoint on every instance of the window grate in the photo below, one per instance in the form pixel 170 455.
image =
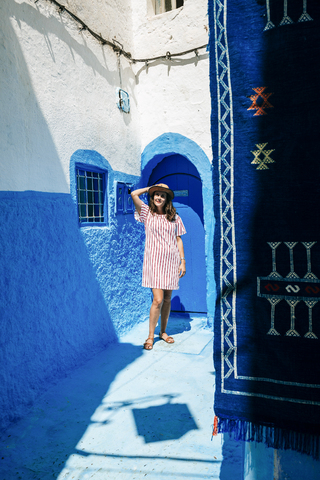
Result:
pixel 90 190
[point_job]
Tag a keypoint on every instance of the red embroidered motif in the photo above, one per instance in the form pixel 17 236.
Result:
pixel 260 92
pixel 274 287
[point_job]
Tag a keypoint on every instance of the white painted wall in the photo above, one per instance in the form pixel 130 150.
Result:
pixel 110 18
pixel 58 86
pixel 58 93
pixel 172 96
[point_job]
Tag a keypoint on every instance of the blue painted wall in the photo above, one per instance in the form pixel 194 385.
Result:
pixel 66 291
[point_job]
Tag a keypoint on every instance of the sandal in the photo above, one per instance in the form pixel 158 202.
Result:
pixel 148 344
pixel 167 339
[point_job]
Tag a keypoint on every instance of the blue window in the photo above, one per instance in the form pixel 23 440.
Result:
pixel 91 195
pixel 124 200
pixel 120 197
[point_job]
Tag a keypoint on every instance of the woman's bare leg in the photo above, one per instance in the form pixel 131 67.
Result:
pixel 155 309
pixel 165 312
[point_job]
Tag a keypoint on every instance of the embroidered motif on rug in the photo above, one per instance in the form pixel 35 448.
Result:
pixel 262 157
pixel 286 20
pixel 263 96
pixel 293 290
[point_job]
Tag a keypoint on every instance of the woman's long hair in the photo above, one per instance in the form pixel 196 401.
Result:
pixel 169 210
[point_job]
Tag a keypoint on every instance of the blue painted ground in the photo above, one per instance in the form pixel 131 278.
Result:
pixel 126 414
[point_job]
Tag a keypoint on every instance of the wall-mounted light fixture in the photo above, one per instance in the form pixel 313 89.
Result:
pixel 123 100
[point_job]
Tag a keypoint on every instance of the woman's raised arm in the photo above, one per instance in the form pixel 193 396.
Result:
pixel 135 197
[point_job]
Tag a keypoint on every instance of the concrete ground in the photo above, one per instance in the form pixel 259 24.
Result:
pixel 127 414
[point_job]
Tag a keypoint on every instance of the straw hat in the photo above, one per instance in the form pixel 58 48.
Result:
pixel 161 187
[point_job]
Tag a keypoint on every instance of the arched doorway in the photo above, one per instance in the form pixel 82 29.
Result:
pixel 174 144
pixel 183 178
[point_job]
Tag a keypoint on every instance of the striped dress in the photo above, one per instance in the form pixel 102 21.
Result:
pixel 161 255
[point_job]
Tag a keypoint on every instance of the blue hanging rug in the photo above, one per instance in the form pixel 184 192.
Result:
pixel 265 77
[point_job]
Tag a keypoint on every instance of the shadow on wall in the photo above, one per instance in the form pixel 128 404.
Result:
pixel 29 159
pixel 52 311
pixel 58 28
pixel 116 249
pixel 176 304
pixel 51 308
pixel 52 26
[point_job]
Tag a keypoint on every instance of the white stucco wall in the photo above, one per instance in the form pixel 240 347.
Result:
pixel 173 96
pixel 58 86
pixel 110 18
pixel 58 93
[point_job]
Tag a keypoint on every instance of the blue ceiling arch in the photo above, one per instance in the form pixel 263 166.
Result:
pixel 171 144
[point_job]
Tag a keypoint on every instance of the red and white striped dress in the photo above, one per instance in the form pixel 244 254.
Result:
pixel 161 255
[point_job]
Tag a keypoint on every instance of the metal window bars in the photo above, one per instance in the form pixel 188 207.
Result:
pixel 90 190
pixel 162 6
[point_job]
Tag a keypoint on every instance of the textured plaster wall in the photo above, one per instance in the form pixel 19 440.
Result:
pixel 112 19
pixel 58 94
pixel 172 96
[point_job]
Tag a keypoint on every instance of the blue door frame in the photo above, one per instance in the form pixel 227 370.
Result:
pixel 170 144
pixel 183 178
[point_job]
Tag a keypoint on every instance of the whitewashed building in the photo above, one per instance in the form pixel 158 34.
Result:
pixel 71 151
pixel 97 97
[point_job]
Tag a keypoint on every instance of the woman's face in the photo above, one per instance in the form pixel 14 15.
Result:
pixel 160 199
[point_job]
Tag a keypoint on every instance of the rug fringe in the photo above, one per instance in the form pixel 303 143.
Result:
pixel 215 427
pixel 275 437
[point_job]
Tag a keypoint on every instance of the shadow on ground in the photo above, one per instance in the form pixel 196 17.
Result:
pixel 164 422
pixel 43 441
pixel 178 323
pixel 128 414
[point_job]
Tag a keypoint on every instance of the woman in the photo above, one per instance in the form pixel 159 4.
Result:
pixel 164 261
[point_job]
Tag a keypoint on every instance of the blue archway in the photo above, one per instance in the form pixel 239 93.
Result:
pixel 176 144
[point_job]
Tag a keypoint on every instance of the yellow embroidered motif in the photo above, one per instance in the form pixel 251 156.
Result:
pixel 262 157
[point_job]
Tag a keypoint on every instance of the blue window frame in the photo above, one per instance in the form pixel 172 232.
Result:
pixel 91 195
pixel 120 197
pixel 124 200
pixel 128 198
